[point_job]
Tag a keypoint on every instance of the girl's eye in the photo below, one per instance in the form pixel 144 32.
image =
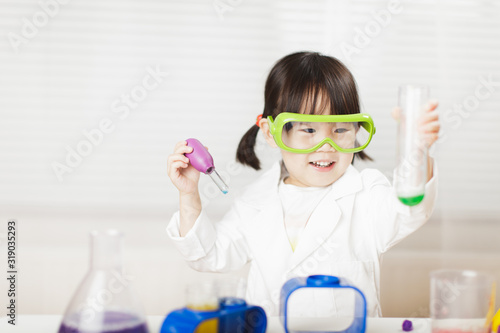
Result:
pixel 341 130
pixel 308 130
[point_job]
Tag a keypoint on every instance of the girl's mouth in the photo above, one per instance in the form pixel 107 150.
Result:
pixel 322 166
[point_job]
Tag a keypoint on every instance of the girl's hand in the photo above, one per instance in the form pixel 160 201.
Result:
pixel 428 127
pixel 428 124
pixel 182 174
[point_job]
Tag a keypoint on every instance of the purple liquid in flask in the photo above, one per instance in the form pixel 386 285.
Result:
pixel 105 302
pixel 110 322
pixel 202 161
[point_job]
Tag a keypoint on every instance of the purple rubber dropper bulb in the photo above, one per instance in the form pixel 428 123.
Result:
pixel 202 161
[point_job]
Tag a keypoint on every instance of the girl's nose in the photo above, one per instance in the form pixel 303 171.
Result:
pixel 326 147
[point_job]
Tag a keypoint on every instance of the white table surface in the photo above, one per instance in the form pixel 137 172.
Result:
pixel 50 324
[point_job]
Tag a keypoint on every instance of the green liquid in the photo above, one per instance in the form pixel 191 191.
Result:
pixel 411 201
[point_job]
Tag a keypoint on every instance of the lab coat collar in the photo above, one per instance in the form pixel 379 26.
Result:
pixel 263 195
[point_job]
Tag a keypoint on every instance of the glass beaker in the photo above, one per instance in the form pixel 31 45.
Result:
pixel 230 288
pixel 202 296
pixel 460 300
pixel 105 302
pixel 411 169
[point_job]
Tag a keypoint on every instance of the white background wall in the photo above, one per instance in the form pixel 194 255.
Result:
pixel 63 74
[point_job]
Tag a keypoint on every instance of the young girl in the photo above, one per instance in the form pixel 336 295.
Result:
pixel 312 212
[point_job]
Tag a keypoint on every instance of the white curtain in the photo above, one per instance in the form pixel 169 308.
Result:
pixel 95 94
pixel 152 73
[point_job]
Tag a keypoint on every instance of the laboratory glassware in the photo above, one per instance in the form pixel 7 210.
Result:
pixel 460 301
pixel 105 302
pixel 214 308
pixel 411 170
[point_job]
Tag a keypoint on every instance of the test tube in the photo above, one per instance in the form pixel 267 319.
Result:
pixel 218 181
pixel 411 170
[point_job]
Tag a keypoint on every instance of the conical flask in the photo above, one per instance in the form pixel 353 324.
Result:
pixel 105 301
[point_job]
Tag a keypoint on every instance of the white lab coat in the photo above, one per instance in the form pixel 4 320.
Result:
pixel 357 221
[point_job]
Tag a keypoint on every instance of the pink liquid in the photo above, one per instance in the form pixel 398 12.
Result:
pixel 457 330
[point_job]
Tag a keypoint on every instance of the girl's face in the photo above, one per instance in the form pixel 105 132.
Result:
pixel 320 168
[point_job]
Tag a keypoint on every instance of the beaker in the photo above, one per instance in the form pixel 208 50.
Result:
pixel 202 296
pixel 230 287
pixel 411 169
pixel 105 302
pixel 460 301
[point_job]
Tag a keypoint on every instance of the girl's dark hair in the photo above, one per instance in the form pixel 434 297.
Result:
pixel 302 80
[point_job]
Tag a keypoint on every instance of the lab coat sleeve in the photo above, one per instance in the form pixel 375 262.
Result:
pixel 212 247
pixel 392 220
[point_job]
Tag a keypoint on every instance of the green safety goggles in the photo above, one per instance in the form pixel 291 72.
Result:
pixel 305 133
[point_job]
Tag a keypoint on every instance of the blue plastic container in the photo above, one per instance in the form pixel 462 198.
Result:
pixel 234 316
pixel 358 325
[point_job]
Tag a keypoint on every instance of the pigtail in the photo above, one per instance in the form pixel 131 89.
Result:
pixel 362 155
pixel 246 149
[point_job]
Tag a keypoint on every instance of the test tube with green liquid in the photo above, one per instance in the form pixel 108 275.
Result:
pixel 411 169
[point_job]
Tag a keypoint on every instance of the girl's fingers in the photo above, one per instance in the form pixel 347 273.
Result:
pixel 178 157
pixel 179 164
pixel 179 144
pixel 175 158
pixel 429 139
pixel 435 126
pixel 428 124
pixel 185 149
pixel 432 127
pixel 430 116
pixel 182 148
pixel 174 170
pixel 432 105
pixel 395 113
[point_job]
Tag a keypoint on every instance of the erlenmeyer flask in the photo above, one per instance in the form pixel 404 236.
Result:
pixel 104 301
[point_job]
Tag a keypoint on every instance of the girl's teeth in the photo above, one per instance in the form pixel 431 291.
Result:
pixel 322 164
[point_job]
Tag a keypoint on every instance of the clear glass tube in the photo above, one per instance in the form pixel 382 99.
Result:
pixel 105 302
pixel 411 170
pixel 218 181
